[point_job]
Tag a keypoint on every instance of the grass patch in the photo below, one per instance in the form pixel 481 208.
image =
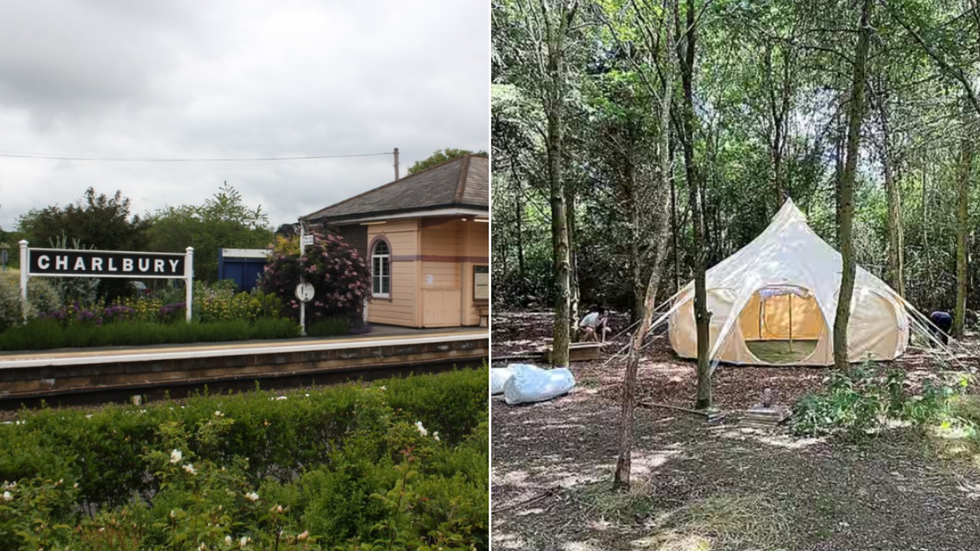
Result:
pixel 48 334
pixel 716 523
pixel 722 523
pixel 621 507
pixel 958 436
pixel 781 352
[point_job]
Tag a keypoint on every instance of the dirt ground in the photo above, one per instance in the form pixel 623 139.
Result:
pixel 703 487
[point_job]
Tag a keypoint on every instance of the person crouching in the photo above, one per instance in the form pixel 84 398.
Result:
pixel 595 325
pixel 942 323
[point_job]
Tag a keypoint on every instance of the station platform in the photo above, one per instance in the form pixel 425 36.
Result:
pixel 130 371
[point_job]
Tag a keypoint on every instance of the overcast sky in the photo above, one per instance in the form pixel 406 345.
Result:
pixel 233 79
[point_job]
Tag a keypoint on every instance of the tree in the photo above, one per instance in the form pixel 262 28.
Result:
pixel 686 44
pixel 439 157
pixel 659 57
pixel 962 233
pixel 545 29
pixel 846 214
pixel 98 221
pixel 223 221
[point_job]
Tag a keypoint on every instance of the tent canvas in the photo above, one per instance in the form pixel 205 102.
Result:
pixel 784 285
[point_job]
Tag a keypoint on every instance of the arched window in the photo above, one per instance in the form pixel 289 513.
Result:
pixel 381 272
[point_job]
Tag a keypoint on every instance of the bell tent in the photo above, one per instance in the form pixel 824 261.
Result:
pixel 777 298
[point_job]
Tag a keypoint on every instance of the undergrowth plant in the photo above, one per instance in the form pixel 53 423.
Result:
pixel 867 400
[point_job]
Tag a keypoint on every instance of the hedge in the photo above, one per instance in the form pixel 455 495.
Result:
pixel 40 334
pixel 328 456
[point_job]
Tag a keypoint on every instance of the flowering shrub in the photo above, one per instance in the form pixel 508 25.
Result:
pixel 145 309
pixel 334 468
pixel 41 297
pixel 221 302
pixel 340 277
pixel 77 314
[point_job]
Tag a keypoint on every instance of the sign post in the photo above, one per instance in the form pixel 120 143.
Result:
pixel 114 264
pixel 189 281
pixel 302 279
pixel 23 277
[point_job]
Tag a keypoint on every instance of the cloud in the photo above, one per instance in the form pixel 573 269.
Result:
pixel 234 79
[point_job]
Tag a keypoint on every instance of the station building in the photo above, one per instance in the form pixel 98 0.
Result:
pixel 426 238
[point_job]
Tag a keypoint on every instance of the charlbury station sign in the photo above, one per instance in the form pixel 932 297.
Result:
pixel 93 263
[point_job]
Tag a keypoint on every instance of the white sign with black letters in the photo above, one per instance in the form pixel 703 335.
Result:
pixel 94 263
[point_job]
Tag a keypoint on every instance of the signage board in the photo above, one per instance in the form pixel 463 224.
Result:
pixel 305 292
pixel 481 283
pixel 307 240
pixel 93 263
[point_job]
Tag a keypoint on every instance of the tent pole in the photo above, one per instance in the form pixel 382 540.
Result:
pixel 760 317
pixel 791 322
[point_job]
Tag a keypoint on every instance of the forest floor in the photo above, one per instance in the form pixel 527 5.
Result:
pixel 700 487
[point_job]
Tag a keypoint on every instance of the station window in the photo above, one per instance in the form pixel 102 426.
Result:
pixel 381 270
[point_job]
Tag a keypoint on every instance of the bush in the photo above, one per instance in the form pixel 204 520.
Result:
pixel 221 302
pixel 41 297
pixel 319 469
pixel 340 277
pixel 865 401
pixel 45 334
pixel 329 327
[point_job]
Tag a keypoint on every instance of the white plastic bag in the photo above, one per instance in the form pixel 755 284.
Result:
pixel 529 384
pixel 499 376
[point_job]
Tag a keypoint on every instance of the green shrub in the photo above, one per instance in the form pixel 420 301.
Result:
pixel 450 409
pixel 329 468
pixel 329 327
pixel 866 400
pixel 47 334
pixel 41 297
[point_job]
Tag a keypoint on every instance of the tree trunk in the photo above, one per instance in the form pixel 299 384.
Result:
pixel 896 259
pixel 573 292
pixel 685 54
pixel 636 258
pixel 554 99
pixel 673 223
pixel 962 230
pixel 838 171
pixel 894 275
pixel 520 235
pixel 778 111
pixel 925 216
pixel 626 415
pixel 846 214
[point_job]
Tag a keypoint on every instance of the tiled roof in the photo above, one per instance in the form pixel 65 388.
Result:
pixel 463 182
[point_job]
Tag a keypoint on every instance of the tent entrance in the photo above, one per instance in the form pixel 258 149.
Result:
pixel 781 324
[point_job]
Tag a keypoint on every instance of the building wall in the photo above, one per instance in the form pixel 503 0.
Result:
pixel 432 264
pixel 403 239
pixel 477 252
pixel 450 249
pixel 356 236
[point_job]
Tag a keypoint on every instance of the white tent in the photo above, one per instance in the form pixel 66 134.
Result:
pixel 782 287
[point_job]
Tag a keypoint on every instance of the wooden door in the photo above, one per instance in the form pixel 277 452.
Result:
pixel 440 307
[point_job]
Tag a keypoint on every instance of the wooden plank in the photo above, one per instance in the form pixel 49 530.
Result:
pixel 578 352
